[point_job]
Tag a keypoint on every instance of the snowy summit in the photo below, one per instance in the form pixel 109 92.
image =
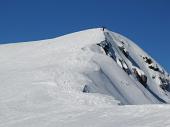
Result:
pixel 91 78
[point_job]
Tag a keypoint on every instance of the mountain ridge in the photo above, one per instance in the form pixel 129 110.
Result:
pixel 87 71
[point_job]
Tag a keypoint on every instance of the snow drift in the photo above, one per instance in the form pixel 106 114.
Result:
pixel 92 68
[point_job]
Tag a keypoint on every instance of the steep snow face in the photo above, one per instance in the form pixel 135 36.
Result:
pixel 158 82
pixel 91 70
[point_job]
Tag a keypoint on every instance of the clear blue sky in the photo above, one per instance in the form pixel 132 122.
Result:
pixel 147 22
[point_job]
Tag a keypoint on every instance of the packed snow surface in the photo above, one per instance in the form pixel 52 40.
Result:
pixel 91 78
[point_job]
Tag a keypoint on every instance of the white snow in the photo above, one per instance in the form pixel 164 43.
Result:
pixel 42 82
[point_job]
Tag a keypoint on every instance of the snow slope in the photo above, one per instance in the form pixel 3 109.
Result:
pixel 81 79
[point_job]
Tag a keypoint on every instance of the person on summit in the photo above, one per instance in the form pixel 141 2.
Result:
pixel 103 28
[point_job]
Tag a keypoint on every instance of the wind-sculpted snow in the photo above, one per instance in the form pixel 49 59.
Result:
pixel 81 79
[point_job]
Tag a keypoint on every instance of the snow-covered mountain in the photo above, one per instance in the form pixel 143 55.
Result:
pixel 82 79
